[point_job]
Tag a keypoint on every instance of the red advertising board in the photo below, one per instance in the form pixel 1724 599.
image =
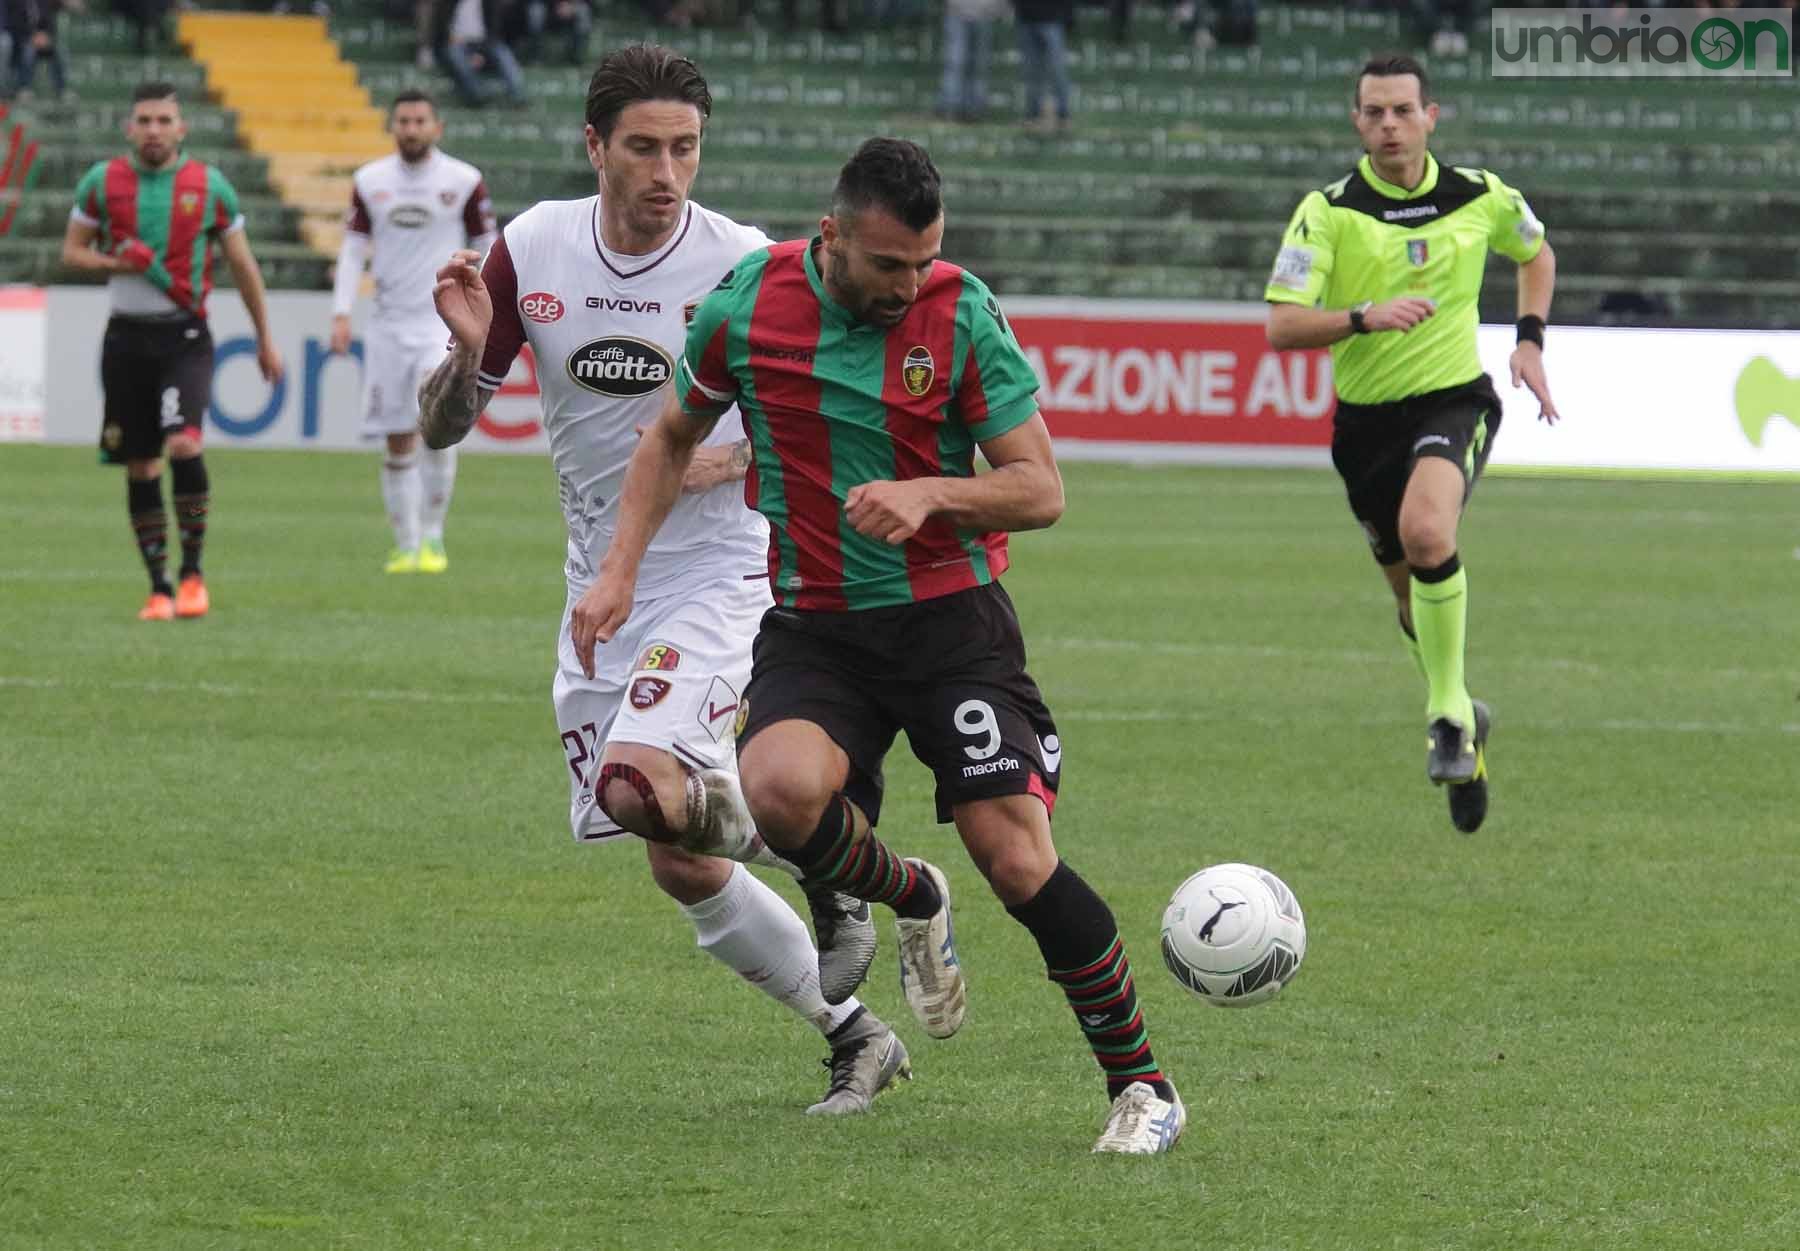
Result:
pixel 1141 380
pixel 1172 376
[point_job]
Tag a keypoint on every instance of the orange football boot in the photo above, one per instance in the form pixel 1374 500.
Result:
pixel 191 599
pixel 158 607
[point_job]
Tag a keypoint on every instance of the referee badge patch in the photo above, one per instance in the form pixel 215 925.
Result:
pixel 918 371
pixel 1293 268
pixel 1416 251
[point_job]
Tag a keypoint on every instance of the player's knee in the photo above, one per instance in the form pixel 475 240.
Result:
pixel 1017 870
pixel 643 791
pixel 1009 841
pixel 1428 540
pixel 182 446
pixel 685 877
pixel 784 801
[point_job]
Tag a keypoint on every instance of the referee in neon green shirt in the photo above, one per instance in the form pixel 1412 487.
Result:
pixel 1384 266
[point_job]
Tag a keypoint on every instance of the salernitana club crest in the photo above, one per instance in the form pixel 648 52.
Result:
pixel 917 371
pixel 1416 251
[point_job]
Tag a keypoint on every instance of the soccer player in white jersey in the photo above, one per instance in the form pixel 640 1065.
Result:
pixel 602 288
pixel 413 208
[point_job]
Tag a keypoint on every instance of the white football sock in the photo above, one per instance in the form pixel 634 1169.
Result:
pixel 400 493
pixel 439 474
pixel 726 829
pixel 749 928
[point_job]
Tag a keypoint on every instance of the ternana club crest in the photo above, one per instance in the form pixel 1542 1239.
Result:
pixel 918 371
pixel 1416 251
pixel 190 202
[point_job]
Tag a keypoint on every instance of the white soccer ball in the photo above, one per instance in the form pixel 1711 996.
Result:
pixel 1234 935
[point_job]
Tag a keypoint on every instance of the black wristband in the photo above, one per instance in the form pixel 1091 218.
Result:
pixel 1356 319
pixel 1531 329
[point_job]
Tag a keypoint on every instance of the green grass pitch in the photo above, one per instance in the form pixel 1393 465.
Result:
pixel 295 950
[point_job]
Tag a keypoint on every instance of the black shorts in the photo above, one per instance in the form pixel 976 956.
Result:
pixel 949 671
pixel 1375 447
pixel 157 373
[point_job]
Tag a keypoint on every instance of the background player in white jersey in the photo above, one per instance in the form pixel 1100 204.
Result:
pixel 602 288
pixel 414 208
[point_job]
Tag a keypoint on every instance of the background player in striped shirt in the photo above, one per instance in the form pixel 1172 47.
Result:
pixel 601 289
pixel 413 208
pixel 867 372
pixel 150 220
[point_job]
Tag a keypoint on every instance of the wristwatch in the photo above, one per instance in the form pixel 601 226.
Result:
pixel 1356 317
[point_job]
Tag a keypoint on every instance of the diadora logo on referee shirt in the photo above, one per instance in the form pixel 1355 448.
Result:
pixel 1411 213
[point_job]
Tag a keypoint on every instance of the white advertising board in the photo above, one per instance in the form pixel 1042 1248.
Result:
pixel 22 364
pixel 317 405
pixel 1659 401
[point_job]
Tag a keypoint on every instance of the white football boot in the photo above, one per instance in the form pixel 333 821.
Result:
pixel 1142 1124
pixel 930 976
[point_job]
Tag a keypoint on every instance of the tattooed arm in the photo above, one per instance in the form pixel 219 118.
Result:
pixel 715 466
pixel 452 397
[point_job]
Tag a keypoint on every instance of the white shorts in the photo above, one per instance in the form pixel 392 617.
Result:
pixel 396 360
pixel 672 679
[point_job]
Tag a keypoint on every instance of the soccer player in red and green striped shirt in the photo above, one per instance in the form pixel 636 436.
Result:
pixel 150 221
pixel 868 372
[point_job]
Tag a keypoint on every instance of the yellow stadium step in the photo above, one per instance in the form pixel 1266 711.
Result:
pixel 298 104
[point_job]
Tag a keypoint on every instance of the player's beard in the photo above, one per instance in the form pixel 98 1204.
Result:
pixel 852 298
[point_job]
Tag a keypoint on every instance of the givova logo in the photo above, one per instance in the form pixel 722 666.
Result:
pixel 1642 43
pixel 1763 393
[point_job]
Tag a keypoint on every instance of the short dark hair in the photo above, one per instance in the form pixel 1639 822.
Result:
pixel 154 91
pixel 1392 65
pixel 895 175
pixel 639 72
pixel 412 95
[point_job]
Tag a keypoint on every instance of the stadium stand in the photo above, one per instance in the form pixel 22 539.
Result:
pixel 1666 198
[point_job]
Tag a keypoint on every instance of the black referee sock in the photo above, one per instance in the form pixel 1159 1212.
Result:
pixel 150 524
pixel 190 488
pixel 1084 955
pixel 861 867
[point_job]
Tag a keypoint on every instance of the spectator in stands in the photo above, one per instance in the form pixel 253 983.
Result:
pixel 833 14
pixel 1043 47
pixel 968 38
pixel 148 16
pixel 33 24
pixel 676 14
pixel 424 16
pixel 1441 25
pixel 467 41
pixel 1230 23
pixel 6 46
pixel 881 14
pixel 572 19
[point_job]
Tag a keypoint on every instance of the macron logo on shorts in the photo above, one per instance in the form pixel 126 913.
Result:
pixel 1431 440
